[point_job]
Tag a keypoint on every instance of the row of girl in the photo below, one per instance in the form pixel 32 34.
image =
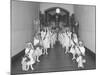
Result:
pixel 73 45
pixel 45 39
pixel 42 41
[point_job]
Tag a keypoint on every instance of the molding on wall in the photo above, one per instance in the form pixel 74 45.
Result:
pixel 17 56
pixel 89 52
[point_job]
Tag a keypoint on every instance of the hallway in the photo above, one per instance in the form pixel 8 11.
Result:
pixel 56 60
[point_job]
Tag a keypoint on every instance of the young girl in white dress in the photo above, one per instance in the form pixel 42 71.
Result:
pixel 80 56
pixel 28 60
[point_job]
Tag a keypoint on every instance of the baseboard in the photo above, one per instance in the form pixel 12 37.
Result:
pixel 14 58
pixel 89 52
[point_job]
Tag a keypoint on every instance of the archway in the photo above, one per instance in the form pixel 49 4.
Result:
pixel 62 17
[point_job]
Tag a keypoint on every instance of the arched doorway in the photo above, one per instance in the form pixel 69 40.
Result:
pixel 57 16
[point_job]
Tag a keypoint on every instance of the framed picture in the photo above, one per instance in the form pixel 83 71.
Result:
pixel 52 37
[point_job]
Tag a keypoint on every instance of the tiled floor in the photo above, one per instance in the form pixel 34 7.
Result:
pixel 55 61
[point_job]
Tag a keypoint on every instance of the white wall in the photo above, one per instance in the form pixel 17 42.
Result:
pixel 22 29
pixel 44 6
pixel 86 17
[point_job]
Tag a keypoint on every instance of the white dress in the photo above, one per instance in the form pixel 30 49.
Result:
pixel 80 62
pixel 36 41
pixel 43 34
pixel 27 50
pixel 72 50
pixel 46 41
pixel 38 52
pixel 27 64
pixel 78 52
pixel 82 49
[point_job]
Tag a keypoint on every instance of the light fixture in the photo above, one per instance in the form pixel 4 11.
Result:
pixel 57 10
